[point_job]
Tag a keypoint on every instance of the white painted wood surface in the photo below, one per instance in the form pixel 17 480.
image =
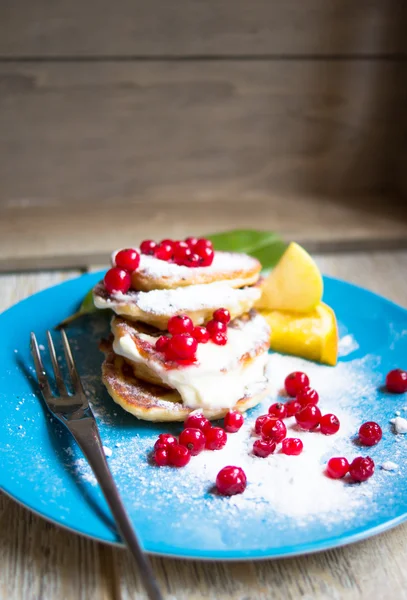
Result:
pixel 39 561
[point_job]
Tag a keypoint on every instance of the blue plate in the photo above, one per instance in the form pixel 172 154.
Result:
pixel 175 512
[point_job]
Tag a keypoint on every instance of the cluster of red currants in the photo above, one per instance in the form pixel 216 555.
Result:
pixel 185 337
pixel 198 434
pixel 118 278
pixel 191 252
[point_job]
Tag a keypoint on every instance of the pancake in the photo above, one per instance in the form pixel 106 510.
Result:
pixel 220 374
pixel 158 306
pixel 237 270
pixel 151 402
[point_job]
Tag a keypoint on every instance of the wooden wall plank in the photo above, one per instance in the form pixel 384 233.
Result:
pixel 195 27
pixel 197 132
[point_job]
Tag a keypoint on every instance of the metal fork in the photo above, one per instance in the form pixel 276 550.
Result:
pixel 76 414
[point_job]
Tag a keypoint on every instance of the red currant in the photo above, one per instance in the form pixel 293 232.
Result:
pixel 181 347
pixel 292 446
pixel 163 252
pixel 308 418
pixel 233 421
pixel 180 324
pixel 197 421
pixel 117 280
pixel 192 261
pixel 396 381
pixel 278 410
pixel 307 396
pixel 231 480
pixel 168 242
pixel 215 438
pixel 191 241
pixel 161 457
pixel 201 334
pixel 181 252
pixel 128 259
pixel 220 339
pixel 294 382
pixel 164 441
pixel 148 247
pixel 361 468
pixel 263 448
pixel 370 433
pixel 260 422
pixel 178 456
pixel 201 245
pixel 215 327
pixel 222 315
pixel 329 424
pixel 162 343
pixel 337 467
pixel 193 439
pixel 207 255
pixel 292 407
pixel 274 429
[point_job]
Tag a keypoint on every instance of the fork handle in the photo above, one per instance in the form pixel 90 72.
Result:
pixel 86 434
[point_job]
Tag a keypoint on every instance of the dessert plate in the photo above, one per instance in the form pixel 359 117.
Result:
pixel 176 512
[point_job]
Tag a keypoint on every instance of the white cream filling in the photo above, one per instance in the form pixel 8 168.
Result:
pixel 219 380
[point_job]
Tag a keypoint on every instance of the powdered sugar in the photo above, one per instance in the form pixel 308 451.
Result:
pixel 347 345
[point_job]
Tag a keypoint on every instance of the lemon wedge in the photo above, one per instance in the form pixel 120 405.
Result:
pixel 295 284
pixel 313 336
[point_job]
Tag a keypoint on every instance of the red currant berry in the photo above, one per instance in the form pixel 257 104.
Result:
pixel 193 439
pixel 215 327
pixel 181 252
pixel 329 424
pixel 294 382
pixel 201 246
pixel 197 421
pixel 192 261
pixel 117 280
pixel 222 315
pixel 168 242
pixel 161 457
pixel 201 334
pixel 274 429
pixel 215 438
pixel 231 481
pixel 128 259
pixel 191 241
pixel 148 247
pixel 207 255
pixel 263 448
pixel 370 433
pixel 308 418
pixel 220 339
pixel 337 467
pixel 164 441
pixel 162 343
pixel 181 347
pixel 233 421
pixel 178 456
pixel 361 468
pixel 292 407
pixel 260 422
pixel 163 252
pixel 307 396
pixel 292 446
pixel 396 381
pixel 180 324
pixel 278 410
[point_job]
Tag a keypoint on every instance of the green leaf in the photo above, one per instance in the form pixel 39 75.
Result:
pixel 266 246
pixel 86 308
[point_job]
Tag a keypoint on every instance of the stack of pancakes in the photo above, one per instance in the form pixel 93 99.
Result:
pixel 140 378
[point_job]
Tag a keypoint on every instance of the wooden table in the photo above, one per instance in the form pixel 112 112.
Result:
pixel 40 561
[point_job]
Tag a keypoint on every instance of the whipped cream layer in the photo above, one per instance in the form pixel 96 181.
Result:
pixel 181 300
pixel 222 375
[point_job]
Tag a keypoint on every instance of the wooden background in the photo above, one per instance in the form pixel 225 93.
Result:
pixel 118 118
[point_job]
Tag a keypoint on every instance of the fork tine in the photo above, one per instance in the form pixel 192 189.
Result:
pixel 77 384
pixel 57 371
pixel 39 368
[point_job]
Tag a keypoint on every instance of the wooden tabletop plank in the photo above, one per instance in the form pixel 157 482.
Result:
pixel 39 561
